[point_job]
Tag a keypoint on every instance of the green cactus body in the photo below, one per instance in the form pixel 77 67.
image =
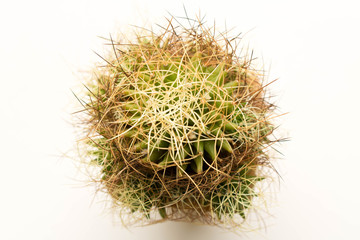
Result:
pixel 176 114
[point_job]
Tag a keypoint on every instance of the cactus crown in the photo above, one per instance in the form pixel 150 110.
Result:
pixel 178 123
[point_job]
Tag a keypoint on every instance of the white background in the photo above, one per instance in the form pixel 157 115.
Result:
pixel 312 46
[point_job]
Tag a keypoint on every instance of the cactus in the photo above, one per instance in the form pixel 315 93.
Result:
pixel 179 125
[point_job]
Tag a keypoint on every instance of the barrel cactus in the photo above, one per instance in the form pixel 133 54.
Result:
pixel 178 124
